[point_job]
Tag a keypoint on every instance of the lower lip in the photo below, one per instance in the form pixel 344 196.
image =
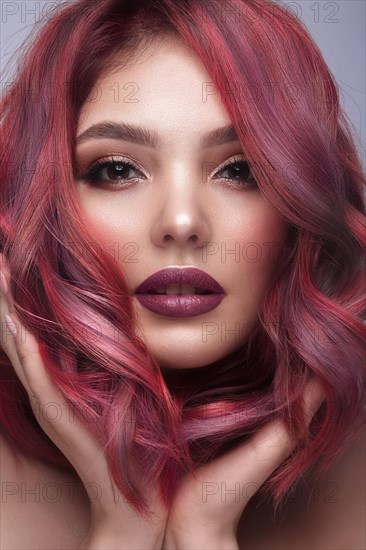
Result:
pixel 183 305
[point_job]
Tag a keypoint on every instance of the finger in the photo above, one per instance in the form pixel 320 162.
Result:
pixel 272 444
pixel 4 281
pixel 23 348
pixel 66 430
pixel 15 328
pixel 7 340
pixel 252 462
pixel 23 351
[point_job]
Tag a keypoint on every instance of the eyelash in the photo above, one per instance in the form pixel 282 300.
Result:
pixel 91 175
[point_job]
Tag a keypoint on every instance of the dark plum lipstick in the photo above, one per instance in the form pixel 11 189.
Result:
pixel 180 292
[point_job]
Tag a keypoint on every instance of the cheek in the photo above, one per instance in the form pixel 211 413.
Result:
pixel 117 229
pixel 259 223
pixel 269 237
pixel 262 236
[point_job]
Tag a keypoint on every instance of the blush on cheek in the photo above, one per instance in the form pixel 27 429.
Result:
pixel 272 234
pixel 260 251
pixel 261 247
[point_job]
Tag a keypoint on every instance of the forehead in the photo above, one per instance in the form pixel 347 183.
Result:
pixel 166 86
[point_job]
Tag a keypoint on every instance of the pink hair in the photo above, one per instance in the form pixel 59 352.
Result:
pixel 300 146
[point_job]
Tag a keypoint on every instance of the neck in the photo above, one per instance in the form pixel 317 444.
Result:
pixel 192 376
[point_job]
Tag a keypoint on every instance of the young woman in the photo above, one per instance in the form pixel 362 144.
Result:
pixel 182 238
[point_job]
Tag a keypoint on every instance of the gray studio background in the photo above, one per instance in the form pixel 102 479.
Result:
pixel 338 27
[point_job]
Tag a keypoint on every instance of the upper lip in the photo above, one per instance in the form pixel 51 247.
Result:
pixel 185 276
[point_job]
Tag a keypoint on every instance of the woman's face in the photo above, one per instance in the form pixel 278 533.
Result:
pixel 175 207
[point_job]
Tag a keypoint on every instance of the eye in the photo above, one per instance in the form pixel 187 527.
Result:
pixel 241 172
pixel 112 172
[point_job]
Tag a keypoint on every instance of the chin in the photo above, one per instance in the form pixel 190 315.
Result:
pixel 189 361
pixel 180 366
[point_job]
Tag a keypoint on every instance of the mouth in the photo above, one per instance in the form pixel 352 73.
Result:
pixel 181 290
pixel 180 281
pixel 178 292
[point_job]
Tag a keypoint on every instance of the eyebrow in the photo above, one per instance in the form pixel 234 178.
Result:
pixel 143 136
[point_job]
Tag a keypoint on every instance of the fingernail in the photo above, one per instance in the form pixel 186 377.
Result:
pixel 10 324
pixel 3 284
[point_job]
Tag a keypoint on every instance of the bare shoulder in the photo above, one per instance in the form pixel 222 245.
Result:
pixel 41 506
pixel 328 513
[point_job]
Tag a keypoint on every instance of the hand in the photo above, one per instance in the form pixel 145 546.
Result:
pixel 114 521
pixel 205 512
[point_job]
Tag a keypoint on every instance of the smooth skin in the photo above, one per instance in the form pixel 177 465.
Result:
pixel 192 521
pixel 180 206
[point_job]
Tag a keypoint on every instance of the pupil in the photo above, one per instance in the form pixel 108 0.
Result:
pixel 241 169
pixel 116 170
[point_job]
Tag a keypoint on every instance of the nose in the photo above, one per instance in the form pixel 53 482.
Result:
pixel 181 221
